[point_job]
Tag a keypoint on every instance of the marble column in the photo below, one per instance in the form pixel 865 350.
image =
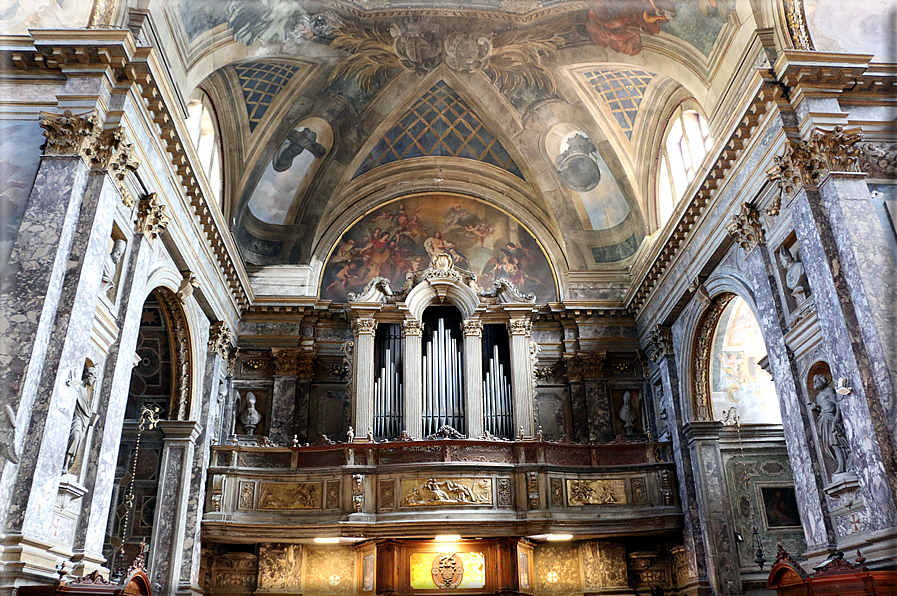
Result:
pixel 215 371
pixel 40 467
pixel 283 396
pixel 846 265
pixel 522 376
pixel 473 377
pixel 303 395
pixel 717 529
pixel 798 428
pixel 364 328
pixel 577 399
pixel 695 550
pixel 412 381
pixel 166 553
pixel 99 477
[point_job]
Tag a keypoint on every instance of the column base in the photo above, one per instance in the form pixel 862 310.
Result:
pixel 26 562
pixel 696 587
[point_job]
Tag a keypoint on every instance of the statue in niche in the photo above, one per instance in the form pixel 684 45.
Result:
pixel 829 423
pixel 111 265
pixel 795 275
pixel 663 427
pixel 82 418
pixel 250 417
pixel 626 414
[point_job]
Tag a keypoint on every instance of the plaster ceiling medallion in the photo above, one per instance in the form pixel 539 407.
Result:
pixel 448 570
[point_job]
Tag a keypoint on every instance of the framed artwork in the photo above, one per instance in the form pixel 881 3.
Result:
pixel 780 507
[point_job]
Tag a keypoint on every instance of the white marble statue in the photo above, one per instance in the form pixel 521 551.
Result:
pixel 625 414
pixel 111 265
pixel 830 424
pixel 250 417
pixel 81 419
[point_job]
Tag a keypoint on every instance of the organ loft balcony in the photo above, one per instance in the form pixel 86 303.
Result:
pixel 418 488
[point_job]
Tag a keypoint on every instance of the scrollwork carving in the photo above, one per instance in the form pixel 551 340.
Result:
pixel 152 217
pixel 221 338
pixel 358 492
pixel 659 342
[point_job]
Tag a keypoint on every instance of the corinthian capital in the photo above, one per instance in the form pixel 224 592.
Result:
pixel 472 328
pixel 746 228
pixel 520 327
pixel 659 342
pixel 364 326
pixel 111 153
pixel 69 133
pixel 221 338
pixel 152 217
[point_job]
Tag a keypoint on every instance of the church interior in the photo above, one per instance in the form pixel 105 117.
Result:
pixel 420 297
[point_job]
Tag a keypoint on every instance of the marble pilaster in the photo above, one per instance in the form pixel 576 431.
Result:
pixel 577 399
pixel 808 479
pixel 711 493
pixel 40 467
pixel 283 398
pixel 843 306
pixel 364 328
pixel 412 381
pixel 188 580
pixel 695 549
pixel 473 377
pixel 521 376
pixel 166 554
pixel 100 472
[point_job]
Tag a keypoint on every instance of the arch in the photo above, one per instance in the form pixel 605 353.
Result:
pixel 181 352
pixel 439 290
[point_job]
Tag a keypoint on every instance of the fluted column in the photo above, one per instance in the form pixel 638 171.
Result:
pixel 521 375
pixel 412 409
pixel 364 328
pixel 473 377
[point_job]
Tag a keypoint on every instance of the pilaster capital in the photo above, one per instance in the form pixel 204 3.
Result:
pixel 520 327
pixel 364 326
pixel 878 160
pixel 152 217
pixel 659 342
pixel 111 153
pixel 746 228
pixel 69 133
pixel 221 338
pixel 412 328
pixel 293 362
pixel 593 364
pixel 472 328
pixel 805 164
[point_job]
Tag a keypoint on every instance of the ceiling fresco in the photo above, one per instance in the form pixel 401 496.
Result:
pixel 402 236
pixel 622 90
pixel 260 83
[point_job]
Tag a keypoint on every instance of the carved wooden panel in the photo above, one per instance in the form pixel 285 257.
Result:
pixel 596 492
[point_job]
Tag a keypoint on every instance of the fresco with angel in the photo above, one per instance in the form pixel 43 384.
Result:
pixel 402 236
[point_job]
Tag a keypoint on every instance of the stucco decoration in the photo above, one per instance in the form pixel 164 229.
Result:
pixel 401 237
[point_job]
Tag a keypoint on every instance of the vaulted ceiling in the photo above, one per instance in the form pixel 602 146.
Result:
pixel 329 110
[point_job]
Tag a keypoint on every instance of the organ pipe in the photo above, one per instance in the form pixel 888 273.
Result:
pixel 443 395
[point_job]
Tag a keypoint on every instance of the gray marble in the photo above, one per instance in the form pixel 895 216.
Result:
pixel 100 473
pixel 830 277
pixel 808 478
pixel 51 417
pixel 30 291
pixel 600 415
pixel 283 409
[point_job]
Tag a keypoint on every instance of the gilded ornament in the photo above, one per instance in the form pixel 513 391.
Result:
pixel 659 342
pixel 152 217
pixel 746 228
pixel 447 491
pixel 447 570
pixel 221 338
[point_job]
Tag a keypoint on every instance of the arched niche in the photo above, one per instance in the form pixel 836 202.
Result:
pixel 180 344
pixel 402 236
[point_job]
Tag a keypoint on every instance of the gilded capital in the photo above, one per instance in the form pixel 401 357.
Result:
pixel 152 217
pixel 69 133
pixel 878 160
pixel 292 362
pixel 746 228
pixel 520 327
pixel 659 342
pixel 473 328
pixel 412 327
pixel 111 153
pixel 221 338
pixel 365 326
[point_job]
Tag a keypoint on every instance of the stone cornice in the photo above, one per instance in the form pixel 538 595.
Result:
pixel 113 52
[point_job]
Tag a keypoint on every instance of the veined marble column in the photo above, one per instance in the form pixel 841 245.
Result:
pixel 661 346
pixel 597 397
pixel 100 472
pixel 808 480
pixel 473 377
pixel 220 339
pixel 412 381
pixel 174 494
pixel 522 376
pixel 364 328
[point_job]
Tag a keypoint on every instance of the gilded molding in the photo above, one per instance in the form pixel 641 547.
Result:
pixel 659 342
pixel 152 217
pixel 797 25
pixel 180 405
pixel 221 338
pixel 701 366
pixel 69 133
pixel 102 14
pixel 746 228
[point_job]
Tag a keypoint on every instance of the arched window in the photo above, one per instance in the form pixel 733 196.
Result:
pixel 204 134
pixel 738 386
pixel 687 142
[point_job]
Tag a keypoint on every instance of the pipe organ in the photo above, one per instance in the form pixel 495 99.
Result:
pixel 498 409
pixel 443 394
pixel 388 387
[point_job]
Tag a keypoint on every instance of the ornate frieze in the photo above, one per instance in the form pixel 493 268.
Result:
pixel 152 217
pixel 596 492
pixel 69 133
pixel 659 342
pixel 293 362
pixel 221 338
pixel 446 491
pixel 746 228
